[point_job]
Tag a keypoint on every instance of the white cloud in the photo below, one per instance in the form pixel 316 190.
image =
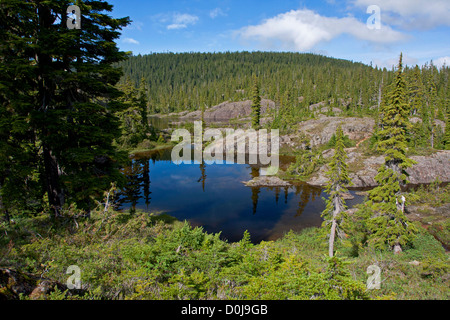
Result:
pixel 304 29
pixel 392 61
pixel 216 12
pixel 411 14
pixel 130 41
pixel 182 20
pixel 441 61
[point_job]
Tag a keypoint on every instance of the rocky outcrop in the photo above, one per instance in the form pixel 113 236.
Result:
pixel 364 169
pixel 429 168
pixel 319 131
pixel 230 110
pixel 266 181
pixel 241 140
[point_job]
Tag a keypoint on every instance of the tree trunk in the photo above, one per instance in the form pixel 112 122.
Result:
pixel 432 137
pixel 332 236
pixel 55 195
pixel 337 210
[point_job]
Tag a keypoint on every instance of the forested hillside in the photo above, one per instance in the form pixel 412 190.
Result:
pixel 295 81
pixel 187 81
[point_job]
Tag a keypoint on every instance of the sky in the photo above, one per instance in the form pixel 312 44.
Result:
pixel 369 31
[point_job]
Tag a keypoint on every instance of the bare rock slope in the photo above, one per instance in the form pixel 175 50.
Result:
pixel 230 110
pixel 364 169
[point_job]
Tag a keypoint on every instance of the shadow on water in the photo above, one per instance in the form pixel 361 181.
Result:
pixel 214 197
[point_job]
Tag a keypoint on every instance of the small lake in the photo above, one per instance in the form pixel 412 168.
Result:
pixel 214 197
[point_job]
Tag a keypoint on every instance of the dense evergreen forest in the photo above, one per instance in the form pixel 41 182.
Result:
pixel 188 81
pixel 295 81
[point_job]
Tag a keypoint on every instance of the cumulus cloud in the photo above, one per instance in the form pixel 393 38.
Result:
pixel 411 14
pixel 130 41
pixel 182 20
pixel 304 29
pixel 442 61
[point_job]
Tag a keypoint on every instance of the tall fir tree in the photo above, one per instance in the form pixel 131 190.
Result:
pixel 338 180
pixel 388 223
pixel 143 105
pixel 394 126
pixel 432 102
pixel 256 104
pixel 131 120
pixel 447 128
pixel 58 88
pixel 416 91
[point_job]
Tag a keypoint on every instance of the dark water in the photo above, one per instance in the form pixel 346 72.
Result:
pixel 214 197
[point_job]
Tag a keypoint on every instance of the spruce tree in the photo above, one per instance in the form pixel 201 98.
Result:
pixel 416 91
pixel 432 102
pixel 256 104
pixel 388 223
pixel 338 179
pixel 394 126
pixel 447 129
pixel 58 88
pixel 143 106
pixel 131 122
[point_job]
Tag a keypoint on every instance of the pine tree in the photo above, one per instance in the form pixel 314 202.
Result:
pixel 447 129
pixel 256 104
pixel 143 106
pixel 388 224
pixel 62 104
pixel 132 123
pixel 432 103
pixel 338 179
pixel 394 126
pixel 416 91
pixel 420 132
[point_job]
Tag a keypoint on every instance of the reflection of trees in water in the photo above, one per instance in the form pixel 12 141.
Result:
pixel 277 194
pixel 307 194
pixel 203 175
pixel 131 192
pixel 138 177
pixel 304 198
pixel 286 194
pixel 255 190
pixel 138 182
pixel 145 179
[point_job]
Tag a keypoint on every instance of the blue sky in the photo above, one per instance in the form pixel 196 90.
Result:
pixel 342 29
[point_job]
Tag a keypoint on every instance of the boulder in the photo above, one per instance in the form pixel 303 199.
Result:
pixel 319 131
pixel 364 169
pixel 266 181
pixel 230 110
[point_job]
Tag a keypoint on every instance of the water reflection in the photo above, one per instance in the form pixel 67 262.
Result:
pixel 214 197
